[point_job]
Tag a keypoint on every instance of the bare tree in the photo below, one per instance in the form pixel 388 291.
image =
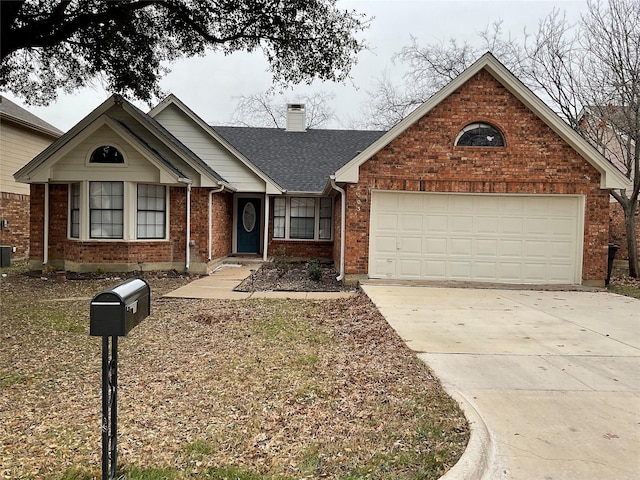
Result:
pixel 589 73
pixel 269 110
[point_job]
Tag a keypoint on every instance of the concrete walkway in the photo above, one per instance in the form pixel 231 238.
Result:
pixel 220 285
pixel 550 381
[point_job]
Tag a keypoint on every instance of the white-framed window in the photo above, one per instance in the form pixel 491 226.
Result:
pixel 118 210
pixel 106 210
pixel 74 210
pixel 303 218
pixel 151 211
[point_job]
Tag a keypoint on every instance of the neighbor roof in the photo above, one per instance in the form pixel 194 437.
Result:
pixel 16 113
pixel 298 161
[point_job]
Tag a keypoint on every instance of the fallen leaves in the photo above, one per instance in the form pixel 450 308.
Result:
pixel 297 389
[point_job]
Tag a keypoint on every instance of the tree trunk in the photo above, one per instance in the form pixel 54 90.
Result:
pixel 632 245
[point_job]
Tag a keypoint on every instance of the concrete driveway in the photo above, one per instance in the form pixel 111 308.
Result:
pixel 553 375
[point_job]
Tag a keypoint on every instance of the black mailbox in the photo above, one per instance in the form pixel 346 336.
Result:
pixel 115 312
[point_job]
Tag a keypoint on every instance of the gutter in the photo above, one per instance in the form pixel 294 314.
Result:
pixel 188 228
pixel 343 222
pixel 211 192
pixel 45 246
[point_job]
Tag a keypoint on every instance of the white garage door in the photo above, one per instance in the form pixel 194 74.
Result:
pixel 485 238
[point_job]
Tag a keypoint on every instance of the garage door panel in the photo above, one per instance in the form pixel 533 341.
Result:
pixel 486 225
pixel 460 224
pixel 460 246
pixel 485 247
pixel 411 223
pixel 435 269
pixel 435 246
pixel 411 246
pixel 386 244
pixel 410 269
pixel 436 224
pixel 493 238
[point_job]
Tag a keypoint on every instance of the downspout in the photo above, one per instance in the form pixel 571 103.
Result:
pixel 45 244
pixel 188 228
pixel 210 239
pixel 343 222
pixel 265 247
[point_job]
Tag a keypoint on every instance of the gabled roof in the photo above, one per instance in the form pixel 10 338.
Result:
pixel 610 177
pixel 151 128
pixel 272 184
pixel 298 161
pixel 13 112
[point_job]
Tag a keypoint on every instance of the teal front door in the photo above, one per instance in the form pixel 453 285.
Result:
pixel 248 225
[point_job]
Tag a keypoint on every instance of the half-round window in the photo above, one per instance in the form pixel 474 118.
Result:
pixel 106 154
pixel 480 135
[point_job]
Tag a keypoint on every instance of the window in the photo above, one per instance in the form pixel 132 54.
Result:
pixel 106 209
pixel 74 210
pixel 279 216
pixel 302 218
pixel 326 210
pixel 106 154
pixel 152 208
pixel 479 135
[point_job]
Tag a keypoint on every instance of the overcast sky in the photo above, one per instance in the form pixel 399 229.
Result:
pixel 211 85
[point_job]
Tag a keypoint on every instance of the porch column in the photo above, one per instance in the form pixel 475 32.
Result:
pixel 265 247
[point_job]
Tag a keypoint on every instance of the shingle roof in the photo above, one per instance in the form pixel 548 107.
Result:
pixel 12 111
pixel 298 161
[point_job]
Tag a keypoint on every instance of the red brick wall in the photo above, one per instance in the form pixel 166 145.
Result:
pixel 222 218
pixel 14 208
pixel 617 230
pixel 534 161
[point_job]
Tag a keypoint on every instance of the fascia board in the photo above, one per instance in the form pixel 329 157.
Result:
pixel 271 186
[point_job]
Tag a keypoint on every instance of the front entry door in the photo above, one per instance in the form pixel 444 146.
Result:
pixel 248 229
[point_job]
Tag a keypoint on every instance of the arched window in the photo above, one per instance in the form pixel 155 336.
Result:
pixel 480 135
pixel 106 154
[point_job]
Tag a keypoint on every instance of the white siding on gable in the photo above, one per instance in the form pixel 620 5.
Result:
pixel 18 147
pixel 75 166
pixel 210 150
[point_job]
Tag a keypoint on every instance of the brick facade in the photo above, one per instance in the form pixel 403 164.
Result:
pixel 71 254
pixel 534 161
pixel 14 208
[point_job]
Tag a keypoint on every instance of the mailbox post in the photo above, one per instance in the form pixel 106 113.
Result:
pixel 113 314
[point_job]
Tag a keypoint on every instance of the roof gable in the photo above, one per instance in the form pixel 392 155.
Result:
pixel 140 130
pixel 170 101
pixel 610 176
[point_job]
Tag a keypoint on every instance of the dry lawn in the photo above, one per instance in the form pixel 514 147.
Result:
pixel 277 389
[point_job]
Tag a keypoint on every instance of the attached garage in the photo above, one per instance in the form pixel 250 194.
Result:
pixel 533 239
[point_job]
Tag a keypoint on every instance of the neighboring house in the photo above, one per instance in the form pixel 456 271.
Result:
pixel 605 126
pixel 22 136
pixel 483 182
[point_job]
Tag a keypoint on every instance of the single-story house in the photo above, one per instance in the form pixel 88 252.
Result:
pixel 483 182
pixel 22 136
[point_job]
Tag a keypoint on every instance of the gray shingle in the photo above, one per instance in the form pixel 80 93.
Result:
pixel 298 161
pixel 12 111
